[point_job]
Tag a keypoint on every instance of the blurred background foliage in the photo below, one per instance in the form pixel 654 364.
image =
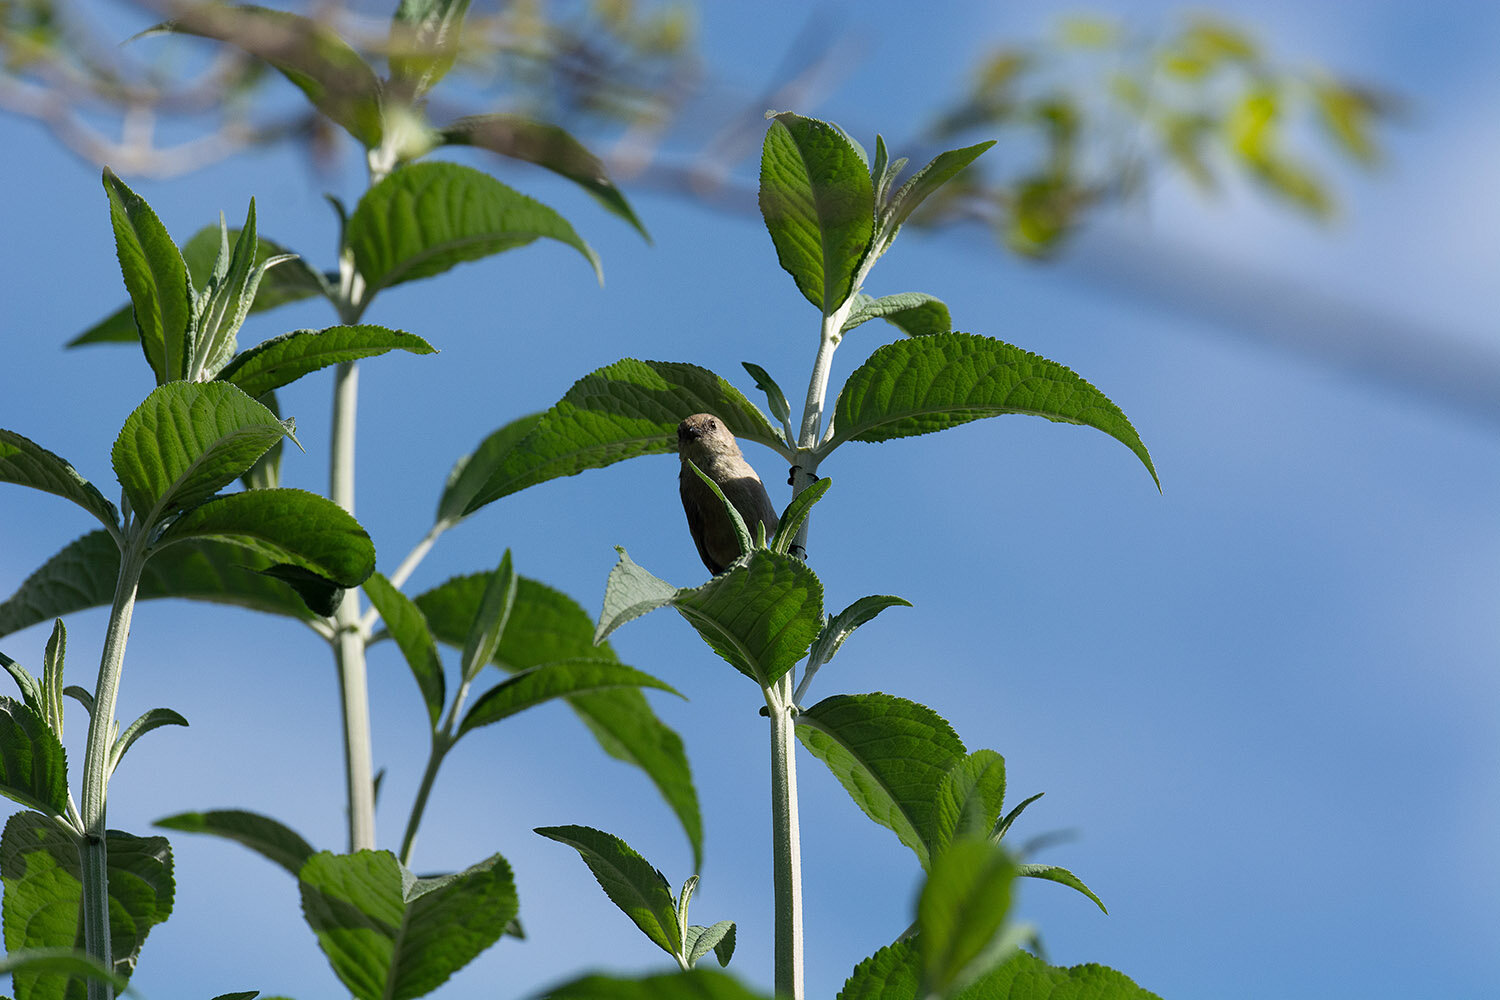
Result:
pixel 1092 115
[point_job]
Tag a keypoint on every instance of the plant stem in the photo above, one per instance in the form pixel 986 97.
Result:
pixel 93 851
pixel 786 844
pixel 349 638
pixel 440 745
pixel 442 742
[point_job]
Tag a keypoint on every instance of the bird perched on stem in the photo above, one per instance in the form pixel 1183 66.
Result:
pixel 703 439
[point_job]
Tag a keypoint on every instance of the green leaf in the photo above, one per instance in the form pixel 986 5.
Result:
pixel 631 591
pixel 775 398
pixel 624 410
pixel 818 204
pixel 32 694
pixel 1026 977
pixel 547 626
pixel 33 766
pixel 392 936
pixel 470 472
pixel 915 314
pixel 718 938
pixel 84 573
pixel 407 625
pixel 627 879
pixel 293 528
pixel 1003 826
pixel 843 624
pixel 186 442
pixel 760 614
pixel 284 359
pixel 554 680
pixel 693 984
pixel 1054 873
pixel 312 56
pixel 961 915
pixel 797 512
pixel 60 961
pixel 890 755
pixel 424 42
pixel 290 281
pixel 488 626
pixel 969 800
pixel 939 171
pixel 546 146
pixel 225 301
pixel 26 463
pixel 892 973
pixel 736 519
pixel 263 835
pixel 424 218
pixel 156 277
pixel 52 686
pixel 153 719
pixel 40 868
pixel 932 383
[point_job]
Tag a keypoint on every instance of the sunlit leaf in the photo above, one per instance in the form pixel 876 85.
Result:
pixel 932 383
pixel 392 936
pixel 427 217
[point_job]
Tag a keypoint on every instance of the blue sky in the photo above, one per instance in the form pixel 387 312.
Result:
pixel 1262 703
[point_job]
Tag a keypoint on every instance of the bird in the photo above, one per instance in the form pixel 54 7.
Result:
pixel 704 440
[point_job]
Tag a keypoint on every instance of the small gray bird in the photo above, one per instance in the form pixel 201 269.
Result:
pixel 705 440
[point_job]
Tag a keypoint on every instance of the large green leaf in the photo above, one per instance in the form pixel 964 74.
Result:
pixel 408 627
pixel 33 766
pixel 819 205
pixel 187 441
pixel 961 915
pixel 424 42
pixel 267 837
pixel 312 56
pixel 562 679
pixel 26 463
pixel 427 217
pixel 546 146
pixel 290 527
pixel 547 626
pixel 621 411
pixel 760 614
pixel 890 755
pixel 156 277
pixel 44 892
pixel 639 890
pixel 894 973
pixel 932 383
pixel 392 936
pixel 472 471
pixel 289 281
pixel 83 575
pixel 280 360
pixel 1025 977
pixel 60 961
pixel 693 984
